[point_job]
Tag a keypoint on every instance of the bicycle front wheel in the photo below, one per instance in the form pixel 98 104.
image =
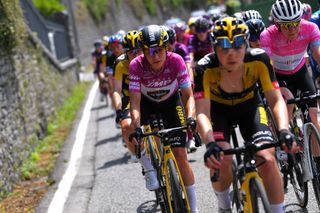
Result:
pixel 259 199
pixel 314 148
pixel 178 198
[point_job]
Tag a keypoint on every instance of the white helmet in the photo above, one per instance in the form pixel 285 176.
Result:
pixel 287 10
pixel 251 14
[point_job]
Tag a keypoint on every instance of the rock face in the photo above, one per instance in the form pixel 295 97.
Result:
pixel 32 86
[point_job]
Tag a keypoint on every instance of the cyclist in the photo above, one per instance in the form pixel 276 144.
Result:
pixel 115 44
pixel 98 56
pixel 315 18
pixel 132 47
pixel 226 94
pixel 307 11
pixel 191 26
pixel 200 42
pixel 286 43
pixel 155 78
pixel 255 24
pixel 182 36
pixel 182 50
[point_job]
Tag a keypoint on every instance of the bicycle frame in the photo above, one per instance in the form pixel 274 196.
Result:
pixel 164 153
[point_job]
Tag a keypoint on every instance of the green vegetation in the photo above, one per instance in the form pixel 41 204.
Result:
pixel 42 160
pixel 151 7
pixel 11 25
pixel 97 9
pixel 48 7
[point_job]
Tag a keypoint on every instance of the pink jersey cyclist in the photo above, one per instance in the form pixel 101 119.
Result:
pixel 288 55
pixel 161 86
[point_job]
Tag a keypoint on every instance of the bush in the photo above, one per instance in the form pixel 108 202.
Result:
pixel 48 7
pixel 97 9
pixel 151 7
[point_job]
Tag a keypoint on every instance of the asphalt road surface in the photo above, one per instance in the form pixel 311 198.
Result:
pixel 107 182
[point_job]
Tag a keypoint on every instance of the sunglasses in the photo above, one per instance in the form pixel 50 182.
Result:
pixel 152 51
pixel 287 25
pixel 254 37
pixel 201 30
pixel 134 52
pixel 225 43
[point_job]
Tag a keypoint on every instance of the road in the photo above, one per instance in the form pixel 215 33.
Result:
pixel 107 182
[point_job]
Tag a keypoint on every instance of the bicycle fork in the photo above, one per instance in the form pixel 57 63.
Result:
pixel 306 161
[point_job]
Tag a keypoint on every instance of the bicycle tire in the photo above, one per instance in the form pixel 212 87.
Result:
pixel 257 192
pixel 161 196
pixel 178 201
pixel 315 168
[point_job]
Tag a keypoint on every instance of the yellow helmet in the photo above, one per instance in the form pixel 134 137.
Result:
pixel 192 21
pixel 131 40
pixel 229 27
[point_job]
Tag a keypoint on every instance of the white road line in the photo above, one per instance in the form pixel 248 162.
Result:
pixel 61 195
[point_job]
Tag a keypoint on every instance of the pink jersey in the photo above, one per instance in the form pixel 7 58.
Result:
pixel 288 55
pixel 158 86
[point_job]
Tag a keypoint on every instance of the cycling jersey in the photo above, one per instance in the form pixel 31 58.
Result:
pixel 110 64
pixel 257 68
pixel 158 86
pixel 200 48
pixel 100 58
pixel 122 74
pixel 288 55
pixel 182 50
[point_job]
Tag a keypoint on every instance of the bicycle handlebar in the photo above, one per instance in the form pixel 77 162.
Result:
pixel 303 99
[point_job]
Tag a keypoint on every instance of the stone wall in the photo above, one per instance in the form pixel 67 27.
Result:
pixel 31 88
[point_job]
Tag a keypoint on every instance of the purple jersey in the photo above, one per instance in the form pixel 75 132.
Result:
pixel 200 48
pixel 182 50
pixel 158 87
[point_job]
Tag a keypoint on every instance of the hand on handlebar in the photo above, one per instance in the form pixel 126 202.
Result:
pixel 137 134
pixel 213 155
pixel 191 124
pixel 286 139
pixel 119 115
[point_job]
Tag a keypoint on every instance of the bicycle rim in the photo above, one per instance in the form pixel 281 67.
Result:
pixel 314 166
pixel 300 187
pixel 259 199
pixel 178 199
pixel 236 196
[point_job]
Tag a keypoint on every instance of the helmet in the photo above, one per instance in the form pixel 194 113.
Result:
pixel 105 40
pixel 97 43
pixel 238 15
pixel 180 26
pixel 153 36
pixel 307 11
pixel 229 27
pixel 116 39
pixel 193 20
pixel 131 40
pixel 171 33
pixel 256 26
pixel 251 14
pixel 202 23
pixel 121 32
pixel 287 10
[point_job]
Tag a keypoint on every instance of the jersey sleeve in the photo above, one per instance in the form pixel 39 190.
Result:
pixel 267 76
pixel 200 68
pixel 118 71
pixel 265 41
pixel 314 34
pixel 135 70
pixel 182 76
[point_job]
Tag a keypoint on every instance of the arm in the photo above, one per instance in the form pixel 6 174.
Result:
pixel 116 94
pixel 204 126
pixel 316 53
pixel 135 98
pixel 188 101
pixel 190 71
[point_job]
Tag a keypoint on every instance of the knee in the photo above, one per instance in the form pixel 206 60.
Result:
pixel 269 164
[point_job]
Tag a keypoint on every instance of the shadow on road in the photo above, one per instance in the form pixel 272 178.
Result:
pixel 98 107
pixel 112 139
pixel 148 206
pixel 105 117
pixel 119 161
pixel 295 208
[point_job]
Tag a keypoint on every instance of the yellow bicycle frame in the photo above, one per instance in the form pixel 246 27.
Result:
pixel 165 156
pixel 245 190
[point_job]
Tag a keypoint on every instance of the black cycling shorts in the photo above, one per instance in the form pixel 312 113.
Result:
pixel 250 116
pixel 172 113
pixel 301 80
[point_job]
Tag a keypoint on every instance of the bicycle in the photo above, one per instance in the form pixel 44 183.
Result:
pixel 171 194
pixel 301 167
pixel 248 193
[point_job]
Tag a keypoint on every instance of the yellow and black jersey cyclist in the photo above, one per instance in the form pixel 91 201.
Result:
pixel 226 95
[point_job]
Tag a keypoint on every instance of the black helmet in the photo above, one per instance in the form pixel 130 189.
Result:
pixel 256 26
pixel 171 33
pixel 153 36
pixel 202 24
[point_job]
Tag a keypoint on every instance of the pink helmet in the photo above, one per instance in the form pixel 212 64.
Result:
pixel 307 11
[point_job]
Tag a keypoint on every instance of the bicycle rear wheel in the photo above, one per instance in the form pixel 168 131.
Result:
pixel 259 199
pixel 178 199
pixel 314 144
